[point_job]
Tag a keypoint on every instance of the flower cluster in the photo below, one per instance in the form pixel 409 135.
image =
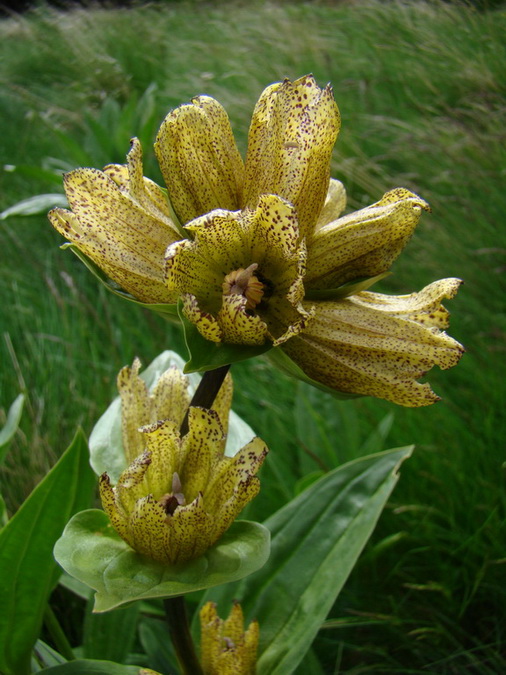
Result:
pixel 260 252
pixel 179 494
pixel 226 648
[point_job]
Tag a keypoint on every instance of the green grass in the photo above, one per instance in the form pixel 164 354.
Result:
pixel 421 88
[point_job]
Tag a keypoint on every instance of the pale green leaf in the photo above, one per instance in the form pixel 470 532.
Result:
pixel 93 552
pixel 35 206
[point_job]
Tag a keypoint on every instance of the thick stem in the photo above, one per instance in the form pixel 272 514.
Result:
pixel 175 608
pixel 206 391
pixel 177 618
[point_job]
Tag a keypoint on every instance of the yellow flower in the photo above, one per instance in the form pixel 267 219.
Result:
pixel 266 256
pixel 270 257
pixel 179 495
pixel 226 648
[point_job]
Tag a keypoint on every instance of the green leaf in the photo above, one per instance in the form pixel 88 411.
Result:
pixel 166 310
pixel 11 425
pixel 206 355
pixel 347 289
pixel 157 645
pixel 282 361
pixel 316 540
pixel 89 667
pixel 106 442
pixel 36 172
pixel 45 656
pixel 101 631
pixel 35 206
pixel 3 512
pixel 92 551
pixel 28 571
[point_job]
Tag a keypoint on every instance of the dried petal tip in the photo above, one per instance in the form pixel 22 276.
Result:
pixel 226 648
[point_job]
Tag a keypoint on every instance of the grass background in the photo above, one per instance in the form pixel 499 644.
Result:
pixel 421 91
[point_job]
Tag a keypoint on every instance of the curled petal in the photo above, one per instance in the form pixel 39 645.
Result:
pixel 378 345
pixel 199 159
pixel 292 133
pixel 364 243
pixel 169 400
pixel 335 203
pixel 237 325
pixel 124 239
pixel 147 194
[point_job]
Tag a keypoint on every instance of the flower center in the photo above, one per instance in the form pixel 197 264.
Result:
pixel 170 501
pixel 245 282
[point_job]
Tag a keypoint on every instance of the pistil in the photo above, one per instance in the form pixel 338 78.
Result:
pixel 245 282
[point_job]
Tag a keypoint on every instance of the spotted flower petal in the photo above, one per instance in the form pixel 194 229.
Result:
pixel 379 345
pixel 199 159
pixel 168 400
pixel 177 498
pixel 241 272
pixel 292 134
pixel 119 226
pixel 364 243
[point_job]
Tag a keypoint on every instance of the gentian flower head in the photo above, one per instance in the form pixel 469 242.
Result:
pixel 267 259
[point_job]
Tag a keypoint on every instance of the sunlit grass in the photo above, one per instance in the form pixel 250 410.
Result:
pixel 421 90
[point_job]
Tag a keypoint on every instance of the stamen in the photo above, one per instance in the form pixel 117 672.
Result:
pixel 170 501
pixel 245 282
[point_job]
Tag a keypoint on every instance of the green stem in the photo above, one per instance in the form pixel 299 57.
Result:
pixel 58 636
pixel 179 628
pixel 175 608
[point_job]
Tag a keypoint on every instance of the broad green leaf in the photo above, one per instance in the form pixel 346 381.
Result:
pixel 316 540
pixel 101 631
pixel 89 667
pixel 167 311
pixel 28 571
pixel 206 355
pixel 347 289
pixel 92 551
pixel 11 425
pixel 282 361
pixel 35 206
pixel 106 443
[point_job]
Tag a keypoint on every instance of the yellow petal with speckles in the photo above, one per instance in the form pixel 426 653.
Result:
pixel 180 495
pixel 379 345
pixel 292 134
pixel 169 400
pixel 226 648
pixel 267 237
pixel 364 243
pixel 124 239
pixel 335 203
pixel 237 325
pixel 200 162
